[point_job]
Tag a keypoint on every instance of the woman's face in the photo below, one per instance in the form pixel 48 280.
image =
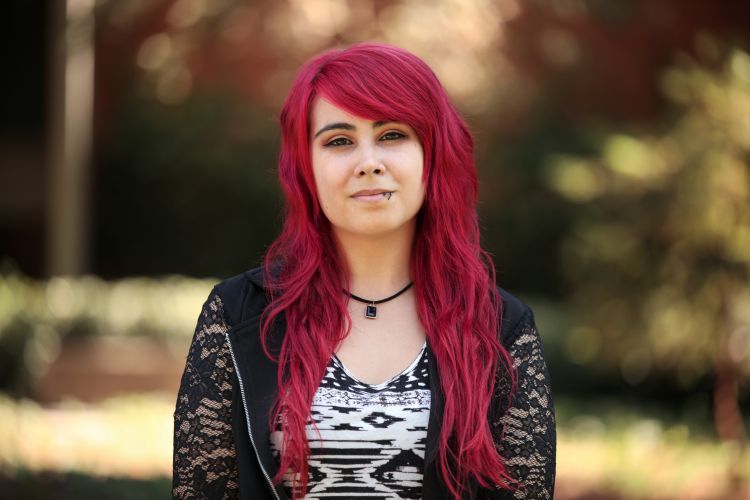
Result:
pixel 368 174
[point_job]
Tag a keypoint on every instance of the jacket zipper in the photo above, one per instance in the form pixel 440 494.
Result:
pixel 247 418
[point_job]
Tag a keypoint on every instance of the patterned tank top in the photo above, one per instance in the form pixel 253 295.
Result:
pixel 371 438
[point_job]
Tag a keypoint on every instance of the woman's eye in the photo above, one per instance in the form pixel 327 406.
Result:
pixel 390 136
pixel 338 141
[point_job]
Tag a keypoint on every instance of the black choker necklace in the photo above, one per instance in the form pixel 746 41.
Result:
pixel 371 312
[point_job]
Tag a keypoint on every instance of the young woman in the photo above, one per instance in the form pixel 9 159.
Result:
pixel 373 355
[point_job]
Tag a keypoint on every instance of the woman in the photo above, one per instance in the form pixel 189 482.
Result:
pixel 372 355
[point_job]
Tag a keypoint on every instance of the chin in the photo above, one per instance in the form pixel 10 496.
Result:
pixel 373 225
pixel 370 229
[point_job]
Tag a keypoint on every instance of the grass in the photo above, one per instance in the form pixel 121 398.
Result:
pixel 80 486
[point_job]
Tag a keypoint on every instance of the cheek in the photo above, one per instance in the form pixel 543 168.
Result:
pixel 327 185
pixel 418 175
pixel 324 197
pixel 328 190
pixel 319 175
pixel 419 199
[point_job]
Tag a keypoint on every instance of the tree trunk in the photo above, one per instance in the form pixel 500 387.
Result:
pixel 728 420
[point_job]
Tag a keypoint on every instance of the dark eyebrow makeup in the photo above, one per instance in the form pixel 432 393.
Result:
pixel 331 126
pixel 346 126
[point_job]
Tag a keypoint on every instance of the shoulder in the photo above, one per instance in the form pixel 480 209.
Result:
pixel 515 314
pixel 243 295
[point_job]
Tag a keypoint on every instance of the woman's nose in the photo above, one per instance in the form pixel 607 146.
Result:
pixel 370 162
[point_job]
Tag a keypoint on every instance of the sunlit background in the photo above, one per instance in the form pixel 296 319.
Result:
pixel 138 141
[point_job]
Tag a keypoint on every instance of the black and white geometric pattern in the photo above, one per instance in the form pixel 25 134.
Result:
pixel 371 438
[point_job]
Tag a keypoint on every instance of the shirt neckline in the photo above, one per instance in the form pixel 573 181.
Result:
pixel 385 383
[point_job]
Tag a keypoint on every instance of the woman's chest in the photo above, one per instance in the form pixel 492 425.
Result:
pixel 368 435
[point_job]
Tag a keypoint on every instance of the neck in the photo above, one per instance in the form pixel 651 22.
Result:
pixel 378 266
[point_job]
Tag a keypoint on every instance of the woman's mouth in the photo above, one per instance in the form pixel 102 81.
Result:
pixel 385 195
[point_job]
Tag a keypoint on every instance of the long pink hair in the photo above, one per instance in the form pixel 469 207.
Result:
pixel 454 279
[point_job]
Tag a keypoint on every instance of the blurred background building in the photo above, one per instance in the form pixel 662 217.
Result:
pixel 138 142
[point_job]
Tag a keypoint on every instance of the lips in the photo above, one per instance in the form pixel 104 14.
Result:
pixel 372 194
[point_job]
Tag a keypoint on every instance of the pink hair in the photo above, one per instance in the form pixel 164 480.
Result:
pixel 454 279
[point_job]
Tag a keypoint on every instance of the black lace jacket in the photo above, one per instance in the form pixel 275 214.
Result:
pixel 206 445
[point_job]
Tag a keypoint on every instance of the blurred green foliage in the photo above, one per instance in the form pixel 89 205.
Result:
pixel 658 259
pixel 37 317
pixel 189 188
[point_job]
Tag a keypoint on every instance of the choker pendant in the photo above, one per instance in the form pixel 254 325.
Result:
pixel 371 311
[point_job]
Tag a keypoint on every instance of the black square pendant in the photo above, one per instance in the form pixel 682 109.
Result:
pixel 371 312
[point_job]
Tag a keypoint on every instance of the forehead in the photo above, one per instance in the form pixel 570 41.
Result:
pixel 324 112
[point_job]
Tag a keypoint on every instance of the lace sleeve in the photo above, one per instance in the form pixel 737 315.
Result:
pixel 205 462
pixel 527 429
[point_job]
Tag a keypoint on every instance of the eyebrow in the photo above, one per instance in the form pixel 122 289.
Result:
pixel 346 126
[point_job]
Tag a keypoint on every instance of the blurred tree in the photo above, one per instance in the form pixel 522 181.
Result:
pixel 187 189
pixel 659 259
